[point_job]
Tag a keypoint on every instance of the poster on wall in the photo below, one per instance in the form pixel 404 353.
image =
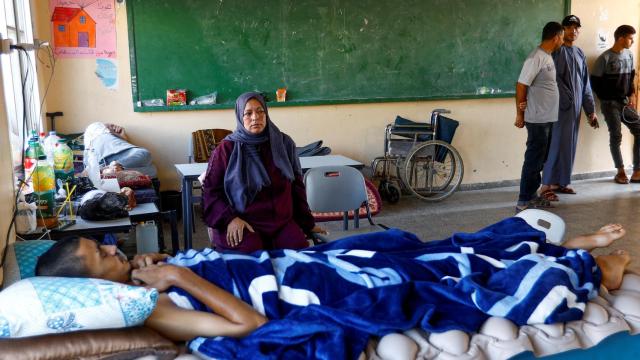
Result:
pixel 107 72
pixel 83 28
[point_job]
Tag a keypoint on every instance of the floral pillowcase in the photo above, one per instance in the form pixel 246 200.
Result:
pixel 44 305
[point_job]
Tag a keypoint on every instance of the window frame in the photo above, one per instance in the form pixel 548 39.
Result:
pixel 16 67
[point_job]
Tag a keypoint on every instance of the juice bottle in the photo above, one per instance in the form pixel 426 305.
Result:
pixel 63 161
pixel 44 187
pixel 31 155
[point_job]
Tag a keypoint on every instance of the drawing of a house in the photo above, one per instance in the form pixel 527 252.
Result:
pixel 73 27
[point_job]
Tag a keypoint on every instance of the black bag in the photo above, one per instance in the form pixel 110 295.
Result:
pixel 107 206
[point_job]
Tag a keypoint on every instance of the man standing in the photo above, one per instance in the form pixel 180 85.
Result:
pixel 538 88
pixel 612 80
pixel 572 77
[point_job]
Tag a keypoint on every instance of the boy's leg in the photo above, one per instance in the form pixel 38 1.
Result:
pixel 601 238
pixel 612 267
pixel 611 109
pixel 634 128
pixel 534 158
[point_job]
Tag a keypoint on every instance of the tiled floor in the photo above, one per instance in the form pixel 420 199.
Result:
pixel 597 203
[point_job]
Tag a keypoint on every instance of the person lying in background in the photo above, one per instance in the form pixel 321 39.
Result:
pixel 253 194
pixel 208 294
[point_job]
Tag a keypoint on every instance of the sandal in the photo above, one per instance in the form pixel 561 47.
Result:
pixel 549 195
pixel 621 179
pixel 539 203
pixel 565 190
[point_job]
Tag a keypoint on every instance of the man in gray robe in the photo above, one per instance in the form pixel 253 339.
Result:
pixel 572 77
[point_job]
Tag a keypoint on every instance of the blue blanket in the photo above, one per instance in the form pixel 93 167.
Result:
pixel 326 301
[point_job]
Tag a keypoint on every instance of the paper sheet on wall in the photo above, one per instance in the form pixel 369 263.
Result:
pixel 107 72
pixel 83 28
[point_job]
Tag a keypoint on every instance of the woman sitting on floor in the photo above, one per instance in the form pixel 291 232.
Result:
pixel 253 193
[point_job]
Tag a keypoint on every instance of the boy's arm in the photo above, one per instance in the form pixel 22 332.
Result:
pixel 232 317
pixel 521 97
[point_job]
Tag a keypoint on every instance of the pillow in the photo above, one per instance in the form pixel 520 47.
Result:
pixel 45 305
pixel 22 257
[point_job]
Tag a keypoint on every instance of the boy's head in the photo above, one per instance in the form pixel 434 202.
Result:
pixel 77 256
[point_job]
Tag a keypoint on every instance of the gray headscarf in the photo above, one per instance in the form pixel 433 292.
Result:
pixel 246 175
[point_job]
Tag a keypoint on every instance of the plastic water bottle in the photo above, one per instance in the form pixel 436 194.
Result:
pixel 44 187
pixel 146 238
pixel 63 161
pixel 49 145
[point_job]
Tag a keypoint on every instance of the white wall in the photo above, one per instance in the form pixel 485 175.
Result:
pixel 492 148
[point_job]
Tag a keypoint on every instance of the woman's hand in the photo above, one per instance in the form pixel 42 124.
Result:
pixel 235 231
pixel 319 230
pixel 160 276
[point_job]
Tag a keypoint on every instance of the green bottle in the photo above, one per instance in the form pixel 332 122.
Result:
pixel 63 161
pixel 31 156
pixel 44 187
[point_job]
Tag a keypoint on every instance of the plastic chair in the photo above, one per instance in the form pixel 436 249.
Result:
pixel 549 223
pixel 337 188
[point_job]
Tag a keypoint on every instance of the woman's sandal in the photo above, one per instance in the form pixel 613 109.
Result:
pixel 565 190
pixel 549 195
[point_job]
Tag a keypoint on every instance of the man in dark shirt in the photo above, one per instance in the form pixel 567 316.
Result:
pixel 612 80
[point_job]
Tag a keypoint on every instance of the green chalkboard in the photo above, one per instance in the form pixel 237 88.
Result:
pixel 332 51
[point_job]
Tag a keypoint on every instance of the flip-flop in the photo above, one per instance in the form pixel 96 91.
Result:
pixel 549 195
pixel 567 190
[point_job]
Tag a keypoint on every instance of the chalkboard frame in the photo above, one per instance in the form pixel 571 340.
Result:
pixel 137 107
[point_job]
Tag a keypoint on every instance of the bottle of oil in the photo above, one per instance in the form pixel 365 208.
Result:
pixel 44 188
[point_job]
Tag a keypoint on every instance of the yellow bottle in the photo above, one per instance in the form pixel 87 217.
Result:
pixel 44 187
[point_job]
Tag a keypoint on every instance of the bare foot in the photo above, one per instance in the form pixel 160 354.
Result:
pixel 601 238
pixel 613 267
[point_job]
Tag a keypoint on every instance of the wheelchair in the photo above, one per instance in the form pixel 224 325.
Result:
pixel 419 159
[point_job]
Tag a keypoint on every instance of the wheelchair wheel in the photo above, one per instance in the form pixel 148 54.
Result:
pixel 382 189
pixel 389 191
pixel 393 193
pixel 433 170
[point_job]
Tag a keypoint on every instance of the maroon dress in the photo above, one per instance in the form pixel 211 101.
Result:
pixel 279 214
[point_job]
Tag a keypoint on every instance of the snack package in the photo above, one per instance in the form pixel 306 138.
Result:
pixel 176 97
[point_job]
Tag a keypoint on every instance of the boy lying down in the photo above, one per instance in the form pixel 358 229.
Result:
pixel 332 297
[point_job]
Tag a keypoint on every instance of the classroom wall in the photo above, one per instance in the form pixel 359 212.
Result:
pixel 491 147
